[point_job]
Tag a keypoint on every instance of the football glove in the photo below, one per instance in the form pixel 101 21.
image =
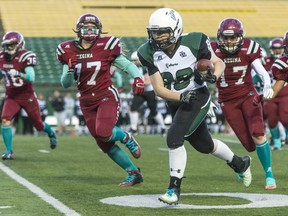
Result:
pixel 211 112
pixel 206 76
pixel 14 73
pixel 138 86
pixel 268 92
pixel 188 96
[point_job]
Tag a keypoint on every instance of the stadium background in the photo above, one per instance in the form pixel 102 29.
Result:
pixel 46 23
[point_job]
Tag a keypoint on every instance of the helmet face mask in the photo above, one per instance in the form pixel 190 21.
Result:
pixel 276 47
pixel 88 27
pixel 12 43
pixel 285 44
pixel 164 21
pixel 230 35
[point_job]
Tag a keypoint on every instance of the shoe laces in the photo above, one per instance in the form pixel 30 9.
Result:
pixel 130 178
pixel 130 144
pixel 170 192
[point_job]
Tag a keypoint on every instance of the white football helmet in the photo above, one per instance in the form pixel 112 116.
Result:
pixel 166 20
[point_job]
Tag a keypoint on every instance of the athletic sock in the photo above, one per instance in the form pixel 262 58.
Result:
pixel 120 157
pixel 264 155
pixel 7 137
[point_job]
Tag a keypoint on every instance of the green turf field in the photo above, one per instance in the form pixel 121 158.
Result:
pixel 78 175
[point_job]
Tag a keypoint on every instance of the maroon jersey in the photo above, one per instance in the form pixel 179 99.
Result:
pixel 268 63
pixel 280 69
pixel 93 64
pixel 236 81
pixel 16 86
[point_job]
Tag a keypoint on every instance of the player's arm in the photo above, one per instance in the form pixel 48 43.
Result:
pixel 263 74
pixel 29 74
pixel 279 84
pixel 219 65
pixel 67 77
pixel 160 90
pixel 127 66
pixel 206 52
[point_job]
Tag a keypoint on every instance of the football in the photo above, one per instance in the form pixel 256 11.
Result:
pixel 204 65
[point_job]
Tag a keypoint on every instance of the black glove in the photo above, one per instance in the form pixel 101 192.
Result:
pixel 188 96
pixel 206 76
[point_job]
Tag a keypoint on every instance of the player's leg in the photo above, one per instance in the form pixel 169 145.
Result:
pixel 137 101
pixel 152 105
pixel 283 115
pixel 255 123
pixel 107 145
pixel 32 109
pixel 9 110
pixel 201 140
pixel 271 113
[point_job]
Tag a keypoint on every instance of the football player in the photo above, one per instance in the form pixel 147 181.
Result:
pixel 170 58
pixel 276 110
pixel 17 68
pixel 87 60
pixel 280 68
pixel 237 94
pixel 148 96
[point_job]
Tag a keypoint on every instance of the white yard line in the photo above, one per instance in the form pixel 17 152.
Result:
pixel 39 192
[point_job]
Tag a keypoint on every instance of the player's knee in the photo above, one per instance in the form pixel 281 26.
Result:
pixel 6 122
pixel 204 148
pixel 39 126
pixel 174 145
pixel 104 133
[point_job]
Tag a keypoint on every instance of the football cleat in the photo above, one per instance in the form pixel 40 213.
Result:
pixel 53 140
pixel 134 177
pixel 171 196
pixel 246 175
pixel 132 145
pixel 8 155
pixel 270 184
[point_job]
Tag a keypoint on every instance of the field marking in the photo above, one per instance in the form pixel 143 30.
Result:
pixel 39 192
pixel 4 207
pixel 151 201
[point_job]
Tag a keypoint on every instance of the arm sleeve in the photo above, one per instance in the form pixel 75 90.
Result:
pixel 67 79
pixel 124 64
pixel 260 70
pixel 29 74
pixel 118 79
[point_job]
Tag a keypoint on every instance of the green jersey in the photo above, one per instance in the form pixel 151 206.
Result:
pixel 177 69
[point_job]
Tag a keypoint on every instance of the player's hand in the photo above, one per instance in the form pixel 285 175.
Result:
pixel 211 112
pixel 138 86
pixel 206 76
pixel 268 92
pixel 188 96
pixel 71 64
pixel 14 73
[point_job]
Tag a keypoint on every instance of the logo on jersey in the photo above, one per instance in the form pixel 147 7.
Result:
pixel 231 60
pixel 7 65
pixel 67 46
pixel 171 65
pixel 182 54
pixel 86 55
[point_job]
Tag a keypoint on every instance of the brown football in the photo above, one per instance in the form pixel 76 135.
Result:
pixel 204 65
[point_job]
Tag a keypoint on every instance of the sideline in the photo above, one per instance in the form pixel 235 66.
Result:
pixel 39 192
pixel 151 201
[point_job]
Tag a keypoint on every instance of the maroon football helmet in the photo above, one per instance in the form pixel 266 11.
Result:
pixel 230 35
pixel 88 33
pixel 276 47
pixel 12 43
pixel 285 43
